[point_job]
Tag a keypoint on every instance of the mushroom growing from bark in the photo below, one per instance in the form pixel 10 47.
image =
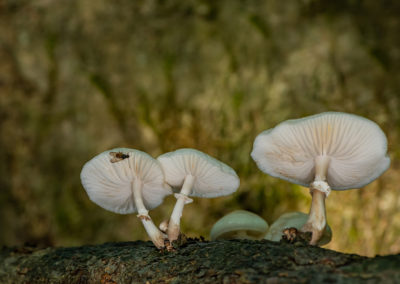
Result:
pixel 196 174
pixel 239 224
pixel 294 220
pixel 126 181
pixel 326 151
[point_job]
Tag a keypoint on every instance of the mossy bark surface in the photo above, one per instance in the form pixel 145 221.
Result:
pixel 235 261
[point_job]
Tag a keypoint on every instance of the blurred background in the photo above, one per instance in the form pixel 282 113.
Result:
pixel 78 77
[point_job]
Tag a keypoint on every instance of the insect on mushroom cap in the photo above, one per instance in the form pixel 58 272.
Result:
pixel 108 179
pixel 356 148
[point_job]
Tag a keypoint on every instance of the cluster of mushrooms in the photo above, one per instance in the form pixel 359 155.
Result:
pixel 326 151
pixel 242 224
pixel 127 181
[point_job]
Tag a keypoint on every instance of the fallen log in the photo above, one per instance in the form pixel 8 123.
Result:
pixel 196 261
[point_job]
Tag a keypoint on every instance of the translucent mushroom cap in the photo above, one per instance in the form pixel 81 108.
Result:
pixel 294 220
pixel 239 224
pixel 212 177
pixel 108 180
pixel 356 147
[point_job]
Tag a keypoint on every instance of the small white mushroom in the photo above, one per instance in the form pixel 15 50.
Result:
pixel 239 224
pixel 326 151
pixel 164 226
pixel 126 181
pixel 294 220
pixel 195 174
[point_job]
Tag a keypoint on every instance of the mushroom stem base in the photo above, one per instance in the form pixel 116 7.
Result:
pixel 156 236
pixel 173 231
pixel 316 222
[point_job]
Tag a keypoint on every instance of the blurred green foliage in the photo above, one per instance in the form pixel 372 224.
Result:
pixel 81 77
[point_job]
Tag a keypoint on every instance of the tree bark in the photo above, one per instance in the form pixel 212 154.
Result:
pixel 196 261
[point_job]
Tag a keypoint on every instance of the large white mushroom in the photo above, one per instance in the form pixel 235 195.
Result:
pixel 196 174
pixel 126 181
pixel 326 151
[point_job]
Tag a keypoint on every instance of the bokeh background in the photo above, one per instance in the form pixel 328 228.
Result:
pixel 78 77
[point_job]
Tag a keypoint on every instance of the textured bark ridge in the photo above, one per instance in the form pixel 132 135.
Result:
pixel 236 261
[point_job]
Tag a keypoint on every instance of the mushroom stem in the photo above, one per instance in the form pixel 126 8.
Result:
pixel 156 236
pixel 181 199
pixel 319 190
pixel 321 167
pixel 316 218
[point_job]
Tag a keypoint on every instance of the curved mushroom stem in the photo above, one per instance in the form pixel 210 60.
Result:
pixel 156 236
pixel 181 199
pixel 319 190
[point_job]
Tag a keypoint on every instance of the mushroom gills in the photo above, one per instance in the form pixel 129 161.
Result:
pixel 331 150
pixel 197 175
pixel 126 181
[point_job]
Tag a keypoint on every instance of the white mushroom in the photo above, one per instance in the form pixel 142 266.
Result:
pixel 325 151
pixel 164 226
pixel 294 220
pixel 126 181
pixel 239 224
pixel 195 174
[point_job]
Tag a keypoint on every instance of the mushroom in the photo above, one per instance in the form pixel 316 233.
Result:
pixel 326 151
pixel 126 181
pixel 164 226
pixel 239 224
pixel 294 220
pixel 195 174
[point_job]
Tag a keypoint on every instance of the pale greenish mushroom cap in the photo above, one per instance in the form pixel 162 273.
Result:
pixel 293 220
pixel 239 224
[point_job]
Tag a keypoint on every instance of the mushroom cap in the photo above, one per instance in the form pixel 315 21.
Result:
pixel 239 224
pixel 356 147
pixel 212 177
pixel 294 220
pixel 109 184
